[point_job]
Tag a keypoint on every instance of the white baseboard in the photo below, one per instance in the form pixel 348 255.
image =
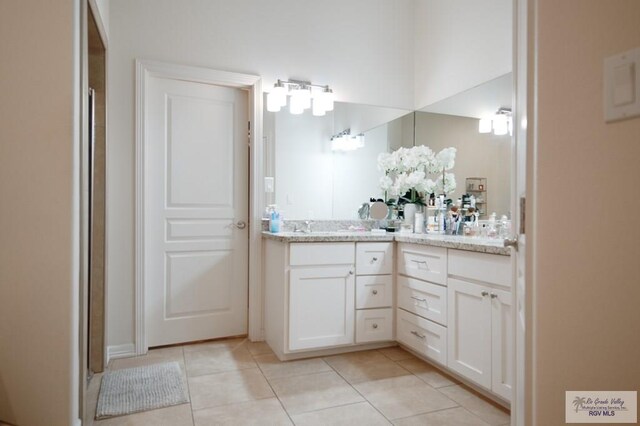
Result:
pixel 120 351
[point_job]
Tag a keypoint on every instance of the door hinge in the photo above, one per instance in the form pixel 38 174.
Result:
pixel 523 214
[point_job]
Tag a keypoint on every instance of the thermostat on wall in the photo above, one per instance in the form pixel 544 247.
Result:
pixel 622 86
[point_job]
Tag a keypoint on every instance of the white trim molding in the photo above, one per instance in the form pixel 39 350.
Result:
pixel 253 84
pixel 120 351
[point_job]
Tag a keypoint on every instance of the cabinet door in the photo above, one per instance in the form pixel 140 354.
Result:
pixel 321 307
pixel 502 343
pixel 469 340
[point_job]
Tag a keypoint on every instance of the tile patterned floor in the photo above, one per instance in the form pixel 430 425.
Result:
pixel 237 382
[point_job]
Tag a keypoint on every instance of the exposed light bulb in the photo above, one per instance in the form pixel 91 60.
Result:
pixel 500 124
pixel 318 108
pixel 279 93
pixel 273 103
pixel 296 106
pixel 303 94
pixel 484 125
pixel 327 98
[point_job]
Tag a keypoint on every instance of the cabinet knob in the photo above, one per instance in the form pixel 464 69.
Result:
pixel 374 259
pixel 350 272
pixel 493 295
pixel 375 325
pixel 484 293
pixel 374 292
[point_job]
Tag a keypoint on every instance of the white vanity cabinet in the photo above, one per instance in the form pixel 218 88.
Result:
pixel 374 292
pixel 315 301
pixel 479 319
pixel 321 310
pixel 422 300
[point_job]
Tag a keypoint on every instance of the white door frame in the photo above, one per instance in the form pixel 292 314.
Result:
pixel 253 84
pixel 523 151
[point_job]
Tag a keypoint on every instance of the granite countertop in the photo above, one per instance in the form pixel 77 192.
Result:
pixel 323 237
pixel 482 245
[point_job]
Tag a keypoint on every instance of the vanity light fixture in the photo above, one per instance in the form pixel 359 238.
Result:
pixel 303 95
pixel 500 123
pixel 345 141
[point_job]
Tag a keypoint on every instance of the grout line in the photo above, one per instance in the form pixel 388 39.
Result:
pixel 333 406
pixel 432 411
pixel 274 392
pixel 359 393
pixel 186 375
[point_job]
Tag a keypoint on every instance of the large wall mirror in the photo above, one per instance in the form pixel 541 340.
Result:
pixel 314 182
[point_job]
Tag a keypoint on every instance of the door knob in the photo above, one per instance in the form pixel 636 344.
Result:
pixel 241 224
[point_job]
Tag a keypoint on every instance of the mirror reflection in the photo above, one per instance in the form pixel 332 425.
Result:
pixel 314 178
pixel 320 178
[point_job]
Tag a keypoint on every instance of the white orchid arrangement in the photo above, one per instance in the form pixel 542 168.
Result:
pixel 418 170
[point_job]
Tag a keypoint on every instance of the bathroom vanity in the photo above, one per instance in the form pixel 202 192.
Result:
pixel 447 299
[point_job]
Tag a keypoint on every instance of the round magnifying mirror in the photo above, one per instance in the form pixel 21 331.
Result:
pixel 379 210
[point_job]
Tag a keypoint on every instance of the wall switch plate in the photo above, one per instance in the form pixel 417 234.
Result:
pixel 269 184
pixel 622 86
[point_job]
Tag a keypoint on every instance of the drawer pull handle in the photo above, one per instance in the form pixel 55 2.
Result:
pixel 374 292
pixel 415 333
pixel 421 262
pixel 418 299
pixel 484 293
pixel 374 325
pixel 493 295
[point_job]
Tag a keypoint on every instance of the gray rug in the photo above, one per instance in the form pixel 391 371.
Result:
pixel 139 389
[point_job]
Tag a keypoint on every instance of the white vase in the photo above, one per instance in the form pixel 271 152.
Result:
pixel 410 213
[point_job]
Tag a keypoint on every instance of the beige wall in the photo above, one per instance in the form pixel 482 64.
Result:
pixel 479 155
pixel 459 44
pixel 586 281
pixel 38 206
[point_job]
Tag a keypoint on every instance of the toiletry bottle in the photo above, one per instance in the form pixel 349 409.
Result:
pixel 274 223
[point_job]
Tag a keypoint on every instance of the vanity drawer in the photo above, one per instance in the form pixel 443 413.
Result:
pixel 374 291
pixel 374 325
pixel 423 336
pixel 321 254
pixel 424 299
pixel 423 262
pixel 374 258
pixel 489 268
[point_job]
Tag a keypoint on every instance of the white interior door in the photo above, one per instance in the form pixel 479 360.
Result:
pixel 195 211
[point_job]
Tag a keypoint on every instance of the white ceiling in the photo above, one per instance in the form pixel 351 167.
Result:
pixel 477 102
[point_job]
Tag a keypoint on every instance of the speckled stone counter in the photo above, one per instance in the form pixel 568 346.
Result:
pixel 481 245
pixel 323 237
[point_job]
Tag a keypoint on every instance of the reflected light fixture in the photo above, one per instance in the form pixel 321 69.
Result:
pixel 500 123
pixel 303 95
pixel 345 141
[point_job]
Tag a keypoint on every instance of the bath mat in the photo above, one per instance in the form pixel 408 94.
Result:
pixel 140 389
